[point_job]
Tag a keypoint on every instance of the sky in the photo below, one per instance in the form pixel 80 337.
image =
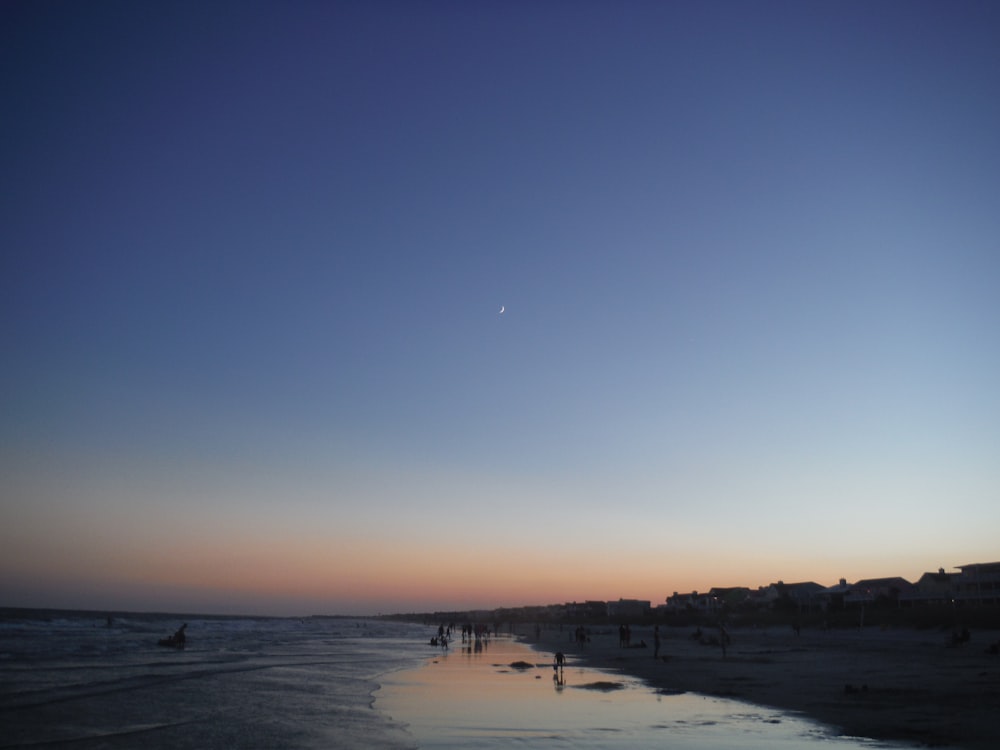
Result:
pixel 253 258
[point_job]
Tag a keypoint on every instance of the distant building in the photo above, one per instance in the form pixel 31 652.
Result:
pixel 627 608
pixel 589 610
pixel 787 596
pixel 933 588
pixel 730 597
pixel 879 590
pixel 693 602
pixel 978 583
pixel 834 597
pixel 975 584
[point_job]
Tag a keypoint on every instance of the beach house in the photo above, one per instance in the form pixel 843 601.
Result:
pixel 933 588
pixel 788 596
pixel 978 583
pixel 629 608
pixel 878 591
pixel 693 602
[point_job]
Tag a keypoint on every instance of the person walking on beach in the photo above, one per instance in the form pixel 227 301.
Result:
pixel 656 642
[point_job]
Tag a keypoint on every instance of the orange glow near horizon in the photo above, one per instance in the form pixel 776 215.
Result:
pixel 265 563
pixel 370 575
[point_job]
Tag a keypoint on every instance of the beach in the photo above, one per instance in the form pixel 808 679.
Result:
pixel 500 693
pixel 504 693
pixel 78 678
pixel 902 685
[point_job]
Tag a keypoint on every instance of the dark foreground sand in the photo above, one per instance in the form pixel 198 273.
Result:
pixel 906 685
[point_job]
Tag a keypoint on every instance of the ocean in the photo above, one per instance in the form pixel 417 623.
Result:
pixel 69 679
pixel 76 680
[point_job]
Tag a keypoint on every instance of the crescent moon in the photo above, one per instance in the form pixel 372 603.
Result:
pixel 501 309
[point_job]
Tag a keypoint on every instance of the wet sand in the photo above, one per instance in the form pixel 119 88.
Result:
pixel 902 685
pixel 508 695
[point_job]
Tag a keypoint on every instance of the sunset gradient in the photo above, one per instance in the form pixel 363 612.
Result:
pixel 252 257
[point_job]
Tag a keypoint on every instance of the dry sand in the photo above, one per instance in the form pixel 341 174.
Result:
pixel 904 685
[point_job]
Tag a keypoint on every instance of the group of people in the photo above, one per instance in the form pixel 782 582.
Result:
pixel 443 636
pixel 470 632
pixel 477 631
pixel 177 640
pixel 624 636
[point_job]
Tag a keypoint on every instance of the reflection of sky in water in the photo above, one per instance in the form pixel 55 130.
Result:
pixel 461 699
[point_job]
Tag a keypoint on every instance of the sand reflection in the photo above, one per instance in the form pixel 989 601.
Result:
pixel 506 694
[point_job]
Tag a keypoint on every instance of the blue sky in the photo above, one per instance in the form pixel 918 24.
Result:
pixel 254 256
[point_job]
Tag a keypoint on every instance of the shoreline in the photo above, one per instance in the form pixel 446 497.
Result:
pixel 500 694
pixel 899 684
